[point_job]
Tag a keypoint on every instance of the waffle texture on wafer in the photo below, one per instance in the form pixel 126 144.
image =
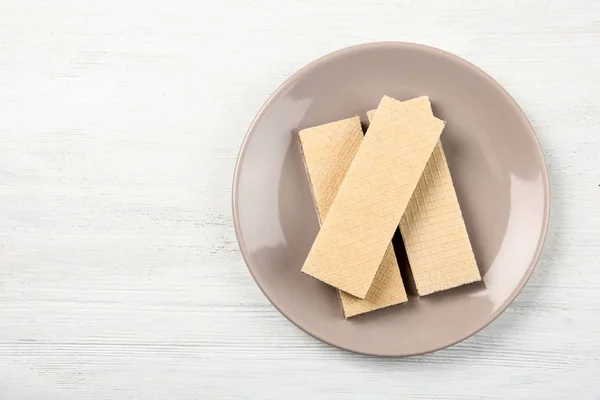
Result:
pixel 434 232
pixel 373 196
pixel 328 151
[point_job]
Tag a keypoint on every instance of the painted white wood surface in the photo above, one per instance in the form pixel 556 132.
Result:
pixel 120 276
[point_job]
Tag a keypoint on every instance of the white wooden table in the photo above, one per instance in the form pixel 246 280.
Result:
pixel 120 123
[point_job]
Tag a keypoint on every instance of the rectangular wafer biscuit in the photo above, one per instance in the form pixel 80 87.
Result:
pixel 372 197
pixel 328 151
pixel 434 232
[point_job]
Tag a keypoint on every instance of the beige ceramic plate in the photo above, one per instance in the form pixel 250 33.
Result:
pixel 495 161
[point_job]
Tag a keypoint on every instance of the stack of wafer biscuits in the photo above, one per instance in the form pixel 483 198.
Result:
pixel 364 188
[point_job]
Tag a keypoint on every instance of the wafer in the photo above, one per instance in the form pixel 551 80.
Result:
pixel 373 197
pixel 328 151
pixel 434 232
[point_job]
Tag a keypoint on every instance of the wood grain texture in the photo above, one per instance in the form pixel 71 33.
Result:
pixel 120 276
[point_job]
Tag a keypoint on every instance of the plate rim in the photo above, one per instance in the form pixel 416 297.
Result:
pixel 398 45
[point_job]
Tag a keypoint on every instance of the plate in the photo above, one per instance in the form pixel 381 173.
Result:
pixel 495 161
